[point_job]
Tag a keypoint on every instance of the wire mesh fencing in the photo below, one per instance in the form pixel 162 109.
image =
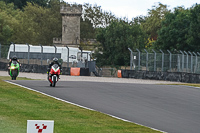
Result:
pixel 183 61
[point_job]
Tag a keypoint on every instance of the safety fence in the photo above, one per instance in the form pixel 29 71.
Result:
pixel 40 59
pixel 42 55
pixel 181 61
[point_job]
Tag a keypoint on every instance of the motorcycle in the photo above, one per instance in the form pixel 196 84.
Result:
pixel 14 70
pixel 54 74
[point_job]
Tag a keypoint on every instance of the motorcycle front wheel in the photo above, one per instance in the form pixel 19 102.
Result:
pixel 54 81
pixel 14 74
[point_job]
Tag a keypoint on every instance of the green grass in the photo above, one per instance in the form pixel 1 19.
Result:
pixel 186 84
pixel 194 85
pixel 18 78
pixel 17 105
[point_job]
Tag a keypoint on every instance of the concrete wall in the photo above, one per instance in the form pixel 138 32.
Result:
pixel 168 76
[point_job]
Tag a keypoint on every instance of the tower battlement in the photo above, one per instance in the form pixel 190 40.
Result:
pixel 71 9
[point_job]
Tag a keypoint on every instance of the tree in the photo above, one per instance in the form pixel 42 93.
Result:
pixel 140 19
pixel 115 40
pixel 93 17
pixel 193 39
pixel 153 20
pixel 97 16
pixel 38 25
pixel 8 20
pixel 20 4
pixel 174 31
pixel 87 30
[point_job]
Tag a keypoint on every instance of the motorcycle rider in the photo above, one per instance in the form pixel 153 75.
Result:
pixel 55 61
pixel 14 58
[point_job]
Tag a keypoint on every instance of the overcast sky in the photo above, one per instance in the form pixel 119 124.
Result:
pixel 134 8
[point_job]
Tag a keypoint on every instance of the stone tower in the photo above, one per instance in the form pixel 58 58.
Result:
pixel 71 24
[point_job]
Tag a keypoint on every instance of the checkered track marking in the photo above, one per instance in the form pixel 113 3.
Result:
pixel 38 127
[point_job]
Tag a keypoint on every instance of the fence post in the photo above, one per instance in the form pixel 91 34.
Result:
pixel 147 59
pixel 0 50
pixel 55 49
pixel 195 68
pixel 162 59
pixel 154 60
pixel 186 61
pixel 178 63
pixel 41 53
pixel 13 47
pixel 182 68
pixel 90 56
pixel 28 51
pixel 191 61
pixel 138 59
pixel 67 56
pixel 81 52
pixel 197 59
pixel 170 60
pixel 131 58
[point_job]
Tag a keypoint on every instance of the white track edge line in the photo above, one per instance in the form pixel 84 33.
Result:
pixel 82 106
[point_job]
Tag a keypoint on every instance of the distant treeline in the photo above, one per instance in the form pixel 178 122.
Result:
pixel 39 21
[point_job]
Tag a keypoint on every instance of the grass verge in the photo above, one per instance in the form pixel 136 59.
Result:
pixel 18 78
pixel 185 84
pixel 17 105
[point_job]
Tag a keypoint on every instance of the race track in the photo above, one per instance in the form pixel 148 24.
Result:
pixel 169 108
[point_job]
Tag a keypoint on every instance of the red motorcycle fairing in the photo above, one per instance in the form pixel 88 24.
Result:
pixel 55 70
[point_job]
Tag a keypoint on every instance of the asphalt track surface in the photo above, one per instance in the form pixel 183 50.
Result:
pixel 169 108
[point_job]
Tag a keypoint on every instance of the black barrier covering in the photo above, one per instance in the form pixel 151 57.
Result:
pixel 3 66
pixel 33 68
pixel 167 76
pixel 91 66
pixel 65 70
pixel 84 72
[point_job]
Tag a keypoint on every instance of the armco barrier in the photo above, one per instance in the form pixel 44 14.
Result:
pixel 167 76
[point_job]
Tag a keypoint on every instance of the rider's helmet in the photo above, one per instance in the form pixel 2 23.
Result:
pixel 55 60
pixel 14 58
